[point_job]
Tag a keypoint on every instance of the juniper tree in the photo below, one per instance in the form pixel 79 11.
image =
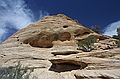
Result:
pixel 118 34
pixel 95 28
pixel 87 44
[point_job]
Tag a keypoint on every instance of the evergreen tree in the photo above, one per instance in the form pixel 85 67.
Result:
pixel 95 28
pixel 118 34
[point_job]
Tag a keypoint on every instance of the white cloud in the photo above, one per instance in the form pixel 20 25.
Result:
pixel 17 14
pixel 111 28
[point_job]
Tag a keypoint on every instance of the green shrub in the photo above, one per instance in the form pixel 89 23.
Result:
pixel 76 20
pixel 87 44
pixel 95 29
pixel 16 72
pixel 118 43
pixel 118 34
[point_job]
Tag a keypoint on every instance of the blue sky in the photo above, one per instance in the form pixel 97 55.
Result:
pixel 17 14
pixel 87 12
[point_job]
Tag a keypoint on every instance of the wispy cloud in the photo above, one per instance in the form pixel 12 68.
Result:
pixel 111 28
pixel 15 14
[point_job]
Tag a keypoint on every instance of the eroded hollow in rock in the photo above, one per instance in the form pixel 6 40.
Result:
pixel 85 33
pixel 66 66
pixel 62 67
pixel 65 26
pixel 65 36
pixel 64 53
pixel 39 42
pixel 45 39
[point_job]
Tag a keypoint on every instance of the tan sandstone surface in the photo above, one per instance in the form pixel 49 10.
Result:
pixel 49 45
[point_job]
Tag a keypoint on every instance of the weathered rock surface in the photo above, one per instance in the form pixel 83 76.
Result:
pixel 49 46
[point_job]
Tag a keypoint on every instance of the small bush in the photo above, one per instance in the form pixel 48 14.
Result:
pixel 87 44
pixel 76 20
pixel 17 72
pixel 95 29
pixel 118 43
pixel 118 34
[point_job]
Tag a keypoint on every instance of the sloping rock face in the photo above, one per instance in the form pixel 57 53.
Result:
pixel 49 45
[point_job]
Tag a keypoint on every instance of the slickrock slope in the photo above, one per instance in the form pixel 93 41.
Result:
pixel 49 45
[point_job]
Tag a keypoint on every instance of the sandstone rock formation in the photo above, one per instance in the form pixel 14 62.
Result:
pixel 49 45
